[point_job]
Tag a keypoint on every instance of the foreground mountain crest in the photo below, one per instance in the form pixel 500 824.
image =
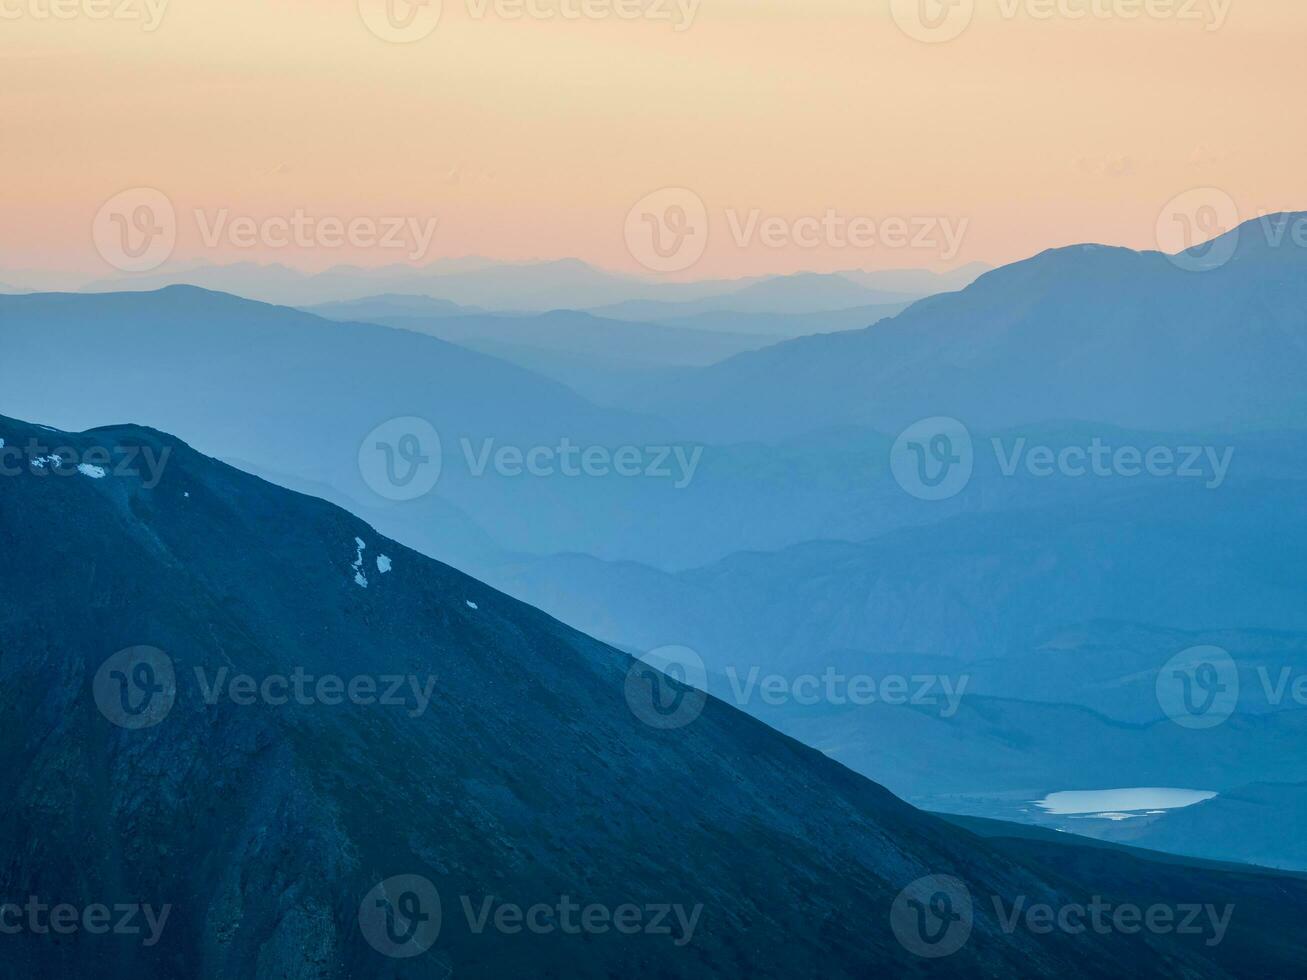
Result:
pixel 316 779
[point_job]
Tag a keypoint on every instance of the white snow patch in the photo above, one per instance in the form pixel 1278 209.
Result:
pixel 383 564
pixel 472 605
pixel 40 462
pixel 94 472
pixel 360 579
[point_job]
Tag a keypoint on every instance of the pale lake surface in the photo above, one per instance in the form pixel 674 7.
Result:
pixel 1121 804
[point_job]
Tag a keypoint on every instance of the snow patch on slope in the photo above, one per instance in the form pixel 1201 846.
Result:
pixel 360 579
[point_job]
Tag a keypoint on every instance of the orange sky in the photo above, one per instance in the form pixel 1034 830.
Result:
pixel 531 138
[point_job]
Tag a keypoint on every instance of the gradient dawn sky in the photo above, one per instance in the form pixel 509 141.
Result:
pixel 1041 123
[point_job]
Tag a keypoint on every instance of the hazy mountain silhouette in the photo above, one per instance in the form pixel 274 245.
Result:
pixel 781 325
pixel 522 286
pixel 804 292
pixel 368 309
pixel 294 394
pixel 1090 333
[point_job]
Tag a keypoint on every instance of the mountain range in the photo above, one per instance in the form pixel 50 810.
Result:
pixel 1087 333
pixel 798 549
pixel 544 286
pixel 276 831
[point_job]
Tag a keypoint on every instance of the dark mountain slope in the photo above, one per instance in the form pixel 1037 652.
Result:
pixel 527 777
